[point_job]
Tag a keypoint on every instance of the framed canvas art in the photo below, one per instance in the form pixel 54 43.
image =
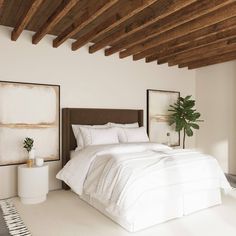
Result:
pixel 158 102
pixel 29 110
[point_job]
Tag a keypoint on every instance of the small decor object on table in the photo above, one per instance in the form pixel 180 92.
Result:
pixel 184 116
pixel 39 161
pixel 28 145
pixel 168 139
pixel 32 184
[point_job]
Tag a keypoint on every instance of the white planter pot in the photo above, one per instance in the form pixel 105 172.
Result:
pixel 32 154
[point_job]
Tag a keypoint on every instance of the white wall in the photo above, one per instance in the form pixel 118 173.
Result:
pixel 86 81
pixel 216 100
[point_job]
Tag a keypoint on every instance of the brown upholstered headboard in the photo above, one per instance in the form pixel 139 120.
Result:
pixel 89 116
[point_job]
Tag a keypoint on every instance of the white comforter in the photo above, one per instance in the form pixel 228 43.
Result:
pixel 118 175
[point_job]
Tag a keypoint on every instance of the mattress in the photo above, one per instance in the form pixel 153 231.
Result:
pixel 161 205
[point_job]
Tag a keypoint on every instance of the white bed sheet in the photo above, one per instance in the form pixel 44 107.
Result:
pixel 163 206
pixel 130 180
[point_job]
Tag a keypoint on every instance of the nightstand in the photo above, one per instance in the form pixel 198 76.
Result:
pixel 32 184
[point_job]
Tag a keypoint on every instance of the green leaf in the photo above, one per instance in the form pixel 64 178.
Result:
pixel 195 126
pixel 187 97
pixel 189 132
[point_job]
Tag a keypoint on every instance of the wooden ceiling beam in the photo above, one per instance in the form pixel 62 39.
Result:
pixel 86 38
pixel 136 8
pixel 72 30
pixel 83 40
pixel 213 15
pixel 162 12
pixel 151 58
pixel 216 30
pixel 180 52
pixel 169 53
pixel 216 59
pixel 202 52
pixel 54 19
pixel 25 19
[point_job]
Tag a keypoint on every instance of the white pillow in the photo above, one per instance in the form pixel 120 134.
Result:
pixel 128 125
pixel 78 136
pixel 120 131
pixel 132 135
pixel 94 136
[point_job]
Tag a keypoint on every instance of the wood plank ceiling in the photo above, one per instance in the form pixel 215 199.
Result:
pixel 187 33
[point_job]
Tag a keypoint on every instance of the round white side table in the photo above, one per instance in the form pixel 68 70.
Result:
pixel 32 184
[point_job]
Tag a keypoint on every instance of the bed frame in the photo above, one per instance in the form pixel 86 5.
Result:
pixel 91 116
pixel 175 204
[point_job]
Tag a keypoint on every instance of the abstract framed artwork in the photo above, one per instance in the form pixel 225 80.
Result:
pixel 158 102
pixel 29 110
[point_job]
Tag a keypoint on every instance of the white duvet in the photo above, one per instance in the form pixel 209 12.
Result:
pixel 118 175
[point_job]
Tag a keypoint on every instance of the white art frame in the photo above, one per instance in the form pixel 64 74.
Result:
pixel 158 102
pixel 29 110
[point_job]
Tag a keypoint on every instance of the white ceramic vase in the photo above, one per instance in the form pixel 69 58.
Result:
pixel 32 154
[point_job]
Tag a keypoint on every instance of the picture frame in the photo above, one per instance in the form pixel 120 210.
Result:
pixel 29 110
pixel 158 103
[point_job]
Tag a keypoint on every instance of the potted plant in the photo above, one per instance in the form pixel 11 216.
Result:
pixel 28 145
pixel 184 116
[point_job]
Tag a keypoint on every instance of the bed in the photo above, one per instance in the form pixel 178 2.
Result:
pixel 137 185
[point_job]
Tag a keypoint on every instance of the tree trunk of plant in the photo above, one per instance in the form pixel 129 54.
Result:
pixel 184 139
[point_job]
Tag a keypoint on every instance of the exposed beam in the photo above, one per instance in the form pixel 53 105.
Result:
pixel 136 8
pixel 151 58
pixel 182 41
pixel 212 15
pixel 54 19
pixel 72 30
pixel 25 19
pixel 216 59
pixel 160 13
pixel 202 52
pixel 179 52
pixel 168 54
pixel 87 37
pixel 83 40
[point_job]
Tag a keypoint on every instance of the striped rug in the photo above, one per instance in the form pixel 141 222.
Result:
pixel 10 220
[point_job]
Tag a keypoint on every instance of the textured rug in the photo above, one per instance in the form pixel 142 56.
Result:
pixel 10 220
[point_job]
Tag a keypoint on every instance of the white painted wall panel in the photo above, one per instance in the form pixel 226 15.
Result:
pixel 216 100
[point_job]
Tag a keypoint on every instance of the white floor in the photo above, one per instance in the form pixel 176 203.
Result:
pixel 64 214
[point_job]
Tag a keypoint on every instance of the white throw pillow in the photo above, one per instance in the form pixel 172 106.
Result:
pixel 127 125
pixel 133 135
pixel 94 136
pixel 120 131
pixel 78 136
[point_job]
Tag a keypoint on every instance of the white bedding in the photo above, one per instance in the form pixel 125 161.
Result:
pixel 118 176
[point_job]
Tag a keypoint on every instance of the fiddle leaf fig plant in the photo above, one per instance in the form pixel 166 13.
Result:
pixel 184 116
pixel 28 144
